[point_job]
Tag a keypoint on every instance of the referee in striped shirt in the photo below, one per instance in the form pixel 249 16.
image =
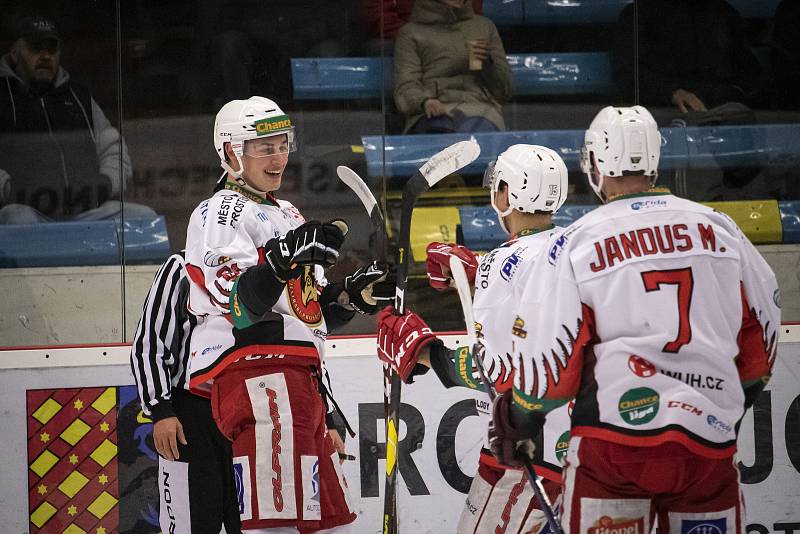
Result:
pixel 196 484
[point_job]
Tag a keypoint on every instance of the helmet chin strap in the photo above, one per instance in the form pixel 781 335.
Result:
pixel 597 187
pixel 238 177
pixel 501 215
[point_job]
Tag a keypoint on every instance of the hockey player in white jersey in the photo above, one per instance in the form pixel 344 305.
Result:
pixel 661 319
pixel 527 183
pixel 265 308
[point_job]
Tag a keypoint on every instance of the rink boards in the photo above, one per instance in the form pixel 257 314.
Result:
pixel 77 453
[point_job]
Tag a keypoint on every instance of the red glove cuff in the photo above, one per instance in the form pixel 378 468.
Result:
pixel 438 263
pixel 401 338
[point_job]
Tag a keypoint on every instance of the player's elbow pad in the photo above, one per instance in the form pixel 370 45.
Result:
pixel 259 289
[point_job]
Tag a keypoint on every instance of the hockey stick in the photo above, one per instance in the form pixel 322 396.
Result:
pixel 352 180
pixel 441 164
pixel 359 187
pixel 464 294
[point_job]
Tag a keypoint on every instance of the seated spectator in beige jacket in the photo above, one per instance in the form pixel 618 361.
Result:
pixel 450 70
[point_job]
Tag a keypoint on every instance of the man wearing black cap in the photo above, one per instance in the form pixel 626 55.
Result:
pixel 59 155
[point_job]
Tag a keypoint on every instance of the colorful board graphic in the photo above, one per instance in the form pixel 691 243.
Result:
pixel 85 444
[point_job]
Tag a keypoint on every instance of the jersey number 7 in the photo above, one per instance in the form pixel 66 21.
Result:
pixel 685 282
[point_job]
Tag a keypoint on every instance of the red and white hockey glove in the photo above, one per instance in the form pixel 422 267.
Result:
pixel 438 263
pixel 509 444
pixel 401 338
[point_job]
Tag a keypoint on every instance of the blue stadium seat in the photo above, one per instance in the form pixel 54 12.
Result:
pixel 505 12
pixel 481 230
pixel 341 77
pixel 580 73
pixel 790 220
pixel 550 12
pixel 62 244
pixel 692 147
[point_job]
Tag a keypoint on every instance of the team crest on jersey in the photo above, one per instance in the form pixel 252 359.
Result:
pixel 302 292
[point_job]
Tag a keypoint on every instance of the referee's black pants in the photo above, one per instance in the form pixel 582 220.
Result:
pixel 199 489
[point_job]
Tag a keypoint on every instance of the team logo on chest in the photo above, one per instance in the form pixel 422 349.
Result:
pixel 302 293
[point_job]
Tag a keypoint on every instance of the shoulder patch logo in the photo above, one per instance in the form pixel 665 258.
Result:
pixel 302 293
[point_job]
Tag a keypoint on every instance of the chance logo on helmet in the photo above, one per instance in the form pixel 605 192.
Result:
pixel 272 125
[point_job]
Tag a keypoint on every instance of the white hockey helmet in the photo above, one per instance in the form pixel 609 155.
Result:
pixel 536 178
pixel 621 141
pixel 239 121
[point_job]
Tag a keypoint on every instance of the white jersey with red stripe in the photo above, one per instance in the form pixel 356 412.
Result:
pixel 658 314
pixel 226 236
pixel 500 274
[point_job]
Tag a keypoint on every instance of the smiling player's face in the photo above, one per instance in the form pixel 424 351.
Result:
pixel 264 161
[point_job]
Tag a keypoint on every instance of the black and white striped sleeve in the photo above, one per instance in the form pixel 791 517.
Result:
pixel 160 349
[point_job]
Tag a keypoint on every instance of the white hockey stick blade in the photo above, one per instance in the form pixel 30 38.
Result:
pixel 464 293
pixel 455 157
pixel 356 183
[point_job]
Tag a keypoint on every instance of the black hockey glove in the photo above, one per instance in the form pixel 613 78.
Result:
pixel 371 287
pixel 508 443
pixel 312 243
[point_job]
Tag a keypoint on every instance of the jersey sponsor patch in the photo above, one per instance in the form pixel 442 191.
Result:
pixel 510 266
pixel 641 367
pixel 685 406
pixel 648 204
pixel 558 245
pixel 703 522
pixel 639 406
pixel 562 444
pixel 615 516
pixel 275 482
pixel 719 425
pixel 241 475
pixel 309 466
pixel 230 210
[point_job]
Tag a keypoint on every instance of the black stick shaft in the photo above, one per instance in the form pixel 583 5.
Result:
pixel 413 188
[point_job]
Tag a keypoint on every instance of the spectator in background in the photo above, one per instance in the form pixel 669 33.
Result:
pixel 450 70
pixel 692 54
pixel 256 40
pixel 786 54
pixel 59 156
pixel 382 19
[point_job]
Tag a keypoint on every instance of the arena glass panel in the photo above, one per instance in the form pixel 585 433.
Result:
pixel 64 167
